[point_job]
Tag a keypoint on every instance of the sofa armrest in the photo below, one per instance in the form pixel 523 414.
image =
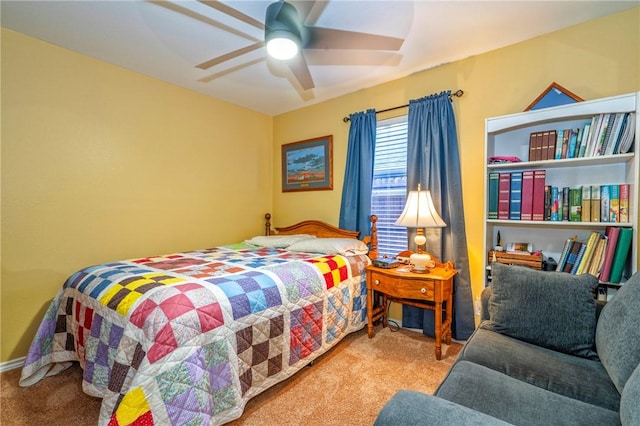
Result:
pixel 410 408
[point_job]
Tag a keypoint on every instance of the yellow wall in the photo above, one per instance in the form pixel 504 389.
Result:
pixel 596 59
pixel 100 163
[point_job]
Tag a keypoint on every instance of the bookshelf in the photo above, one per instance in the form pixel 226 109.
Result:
pixel 510 135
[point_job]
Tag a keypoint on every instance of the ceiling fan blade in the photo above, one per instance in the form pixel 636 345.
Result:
pixel 221 7
pixel 310 11
pixel 215 61
pixel 300 69
pixel 194 15
pixel 230 70
pixel 327 38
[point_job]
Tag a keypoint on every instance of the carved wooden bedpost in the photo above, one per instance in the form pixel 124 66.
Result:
pixel 267 224
pixel 373 251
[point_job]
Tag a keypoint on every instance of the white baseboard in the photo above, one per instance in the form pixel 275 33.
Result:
pixel 12 365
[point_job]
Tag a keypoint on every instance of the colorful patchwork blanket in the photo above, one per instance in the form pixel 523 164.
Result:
pixel 189 338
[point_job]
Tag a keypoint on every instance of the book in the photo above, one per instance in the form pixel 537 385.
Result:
pixel 565 203
pixel 612 233
pixel 595 203
pixel 493 195
pixel 575 204
pixel 540 152
pixel 573 143
pixel 559 137
pixel 586 203
pixel 555 214
pixel 596 126
pixel 566 136
pixel 620 256
pixel 533 141
pixel 586 259
pixel 504 194
pixel 574 270
pixel 538 209
pixel 572 256
pixel 626 141
pixel 614 135
pixel 585 139
pixel 578 141
pixel 526 203
pixel 551 149
pixel 598 256
pixel 623 124
pixel 614 203
pixel 624 202
pixel 604 202
pixel 543 145
pixel 547 202
pixel 515 195
pixel 604 131
pixel 565 252
pixel 613 129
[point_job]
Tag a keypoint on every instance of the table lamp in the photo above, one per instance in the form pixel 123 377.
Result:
pixel 420 213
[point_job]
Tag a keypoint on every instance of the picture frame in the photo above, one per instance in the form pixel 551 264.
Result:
pixel 554 95
pixel 308 165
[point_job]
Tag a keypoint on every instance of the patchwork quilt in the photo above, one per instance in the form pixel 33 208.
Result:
pixel 189 338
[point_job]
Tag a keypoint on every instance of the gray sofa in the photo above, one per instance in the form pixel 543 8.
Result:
pixel 544 354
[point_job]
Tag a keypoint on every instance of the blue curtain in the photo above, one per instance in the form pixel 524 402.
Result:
pixel 434 162
pixel 355 208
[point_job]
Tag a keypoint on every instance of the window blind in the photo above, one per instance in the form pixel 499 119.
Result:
pixel 389 190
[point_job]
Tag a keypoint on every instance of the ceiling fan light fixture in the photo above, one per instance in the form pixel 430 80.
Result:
pixel 282 32
pixel 282 48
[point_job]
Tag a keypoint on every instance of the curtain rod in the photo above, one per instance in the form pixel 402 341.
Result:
pixel 458 93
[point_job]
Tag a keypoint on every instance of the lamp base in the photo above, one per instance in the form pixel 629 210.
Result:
pixel 421 263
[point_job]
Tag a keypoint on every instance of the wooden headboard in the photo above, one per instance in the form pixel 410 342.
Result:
pixel 324 230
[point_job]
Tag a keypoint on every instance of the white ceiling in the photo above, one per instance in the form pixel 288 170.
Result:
pixel 166 40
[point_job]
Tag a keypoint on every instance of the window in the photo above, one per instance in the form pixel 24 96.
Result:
pixel 389 190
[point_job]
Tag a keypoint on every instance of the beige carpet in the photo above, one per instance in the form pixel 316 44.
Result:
pixel 347 386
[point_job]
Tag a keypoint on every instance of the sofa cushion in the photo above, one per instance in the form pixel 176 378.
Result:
pixel 618 332
pixel 514 401
pixel 410 408
pixel 555 310
pixel 568 375
pixel 629 407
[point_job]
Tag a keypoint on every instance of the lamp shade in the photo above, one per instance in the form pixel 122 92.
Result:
pixel 282 33
pixel 419 212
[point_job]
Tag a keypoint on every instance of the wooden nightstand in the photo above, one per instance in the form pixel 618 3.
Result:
pixel 414 289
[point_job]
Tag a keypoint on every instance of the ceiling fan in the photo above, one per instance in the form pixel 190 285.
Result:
pixel 282 18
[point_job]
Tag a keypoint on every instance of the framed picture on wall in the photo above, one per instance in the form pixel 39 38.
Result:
pixel 554 95
pixel 308 165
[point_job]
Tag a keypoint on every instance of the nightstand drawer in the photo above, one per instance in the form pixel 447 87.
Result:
pixel 402 287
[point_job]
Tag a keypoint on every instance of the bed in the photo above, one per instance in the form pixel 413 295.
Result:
pixel 189 338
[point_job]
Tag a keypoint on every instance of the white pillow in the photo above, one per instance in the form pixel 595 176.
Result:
pixel 343 246
pixel 277 241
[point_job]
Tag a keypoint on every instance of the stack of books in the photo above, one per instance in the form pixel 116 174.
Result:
pixel 524 195
pixel 601 255
pixel 517 195
pixel 604 134
pixel 588 203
